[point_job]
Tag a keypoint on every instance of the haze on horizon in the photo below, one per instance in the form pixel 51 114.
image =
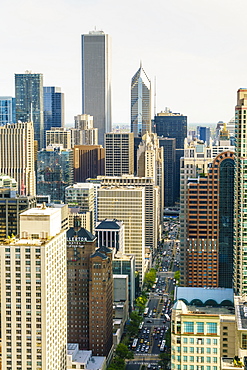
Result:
pixel 195 49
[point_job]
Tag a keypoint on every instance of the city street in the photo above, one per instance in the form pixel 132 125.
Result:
pixel 156 322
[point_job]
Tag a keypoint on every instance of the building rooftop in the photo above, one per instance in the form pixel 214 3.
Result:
pixel 241 312
pixel 108 224
pixel 80 234
pixel 85 357
pixel 43 211
pixel 205 296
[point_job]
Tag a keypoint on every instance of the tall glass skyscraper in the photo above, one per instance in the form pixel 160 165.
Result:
pixel 140 103
pixel 96 80
pixel 29 102
pixel 7 110
pixel 53 107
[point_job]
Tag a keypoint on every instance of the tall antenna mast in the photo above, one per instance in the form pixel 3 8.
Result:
pixel 154 96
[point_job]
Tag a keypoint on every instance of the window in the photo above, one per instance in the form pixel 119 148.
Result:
pixel 244 341
pixel 200 327
pixel 188 327
pixel 211 328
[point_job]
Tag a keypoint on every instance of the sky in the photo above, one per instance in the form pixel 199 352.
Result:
pixel 195 49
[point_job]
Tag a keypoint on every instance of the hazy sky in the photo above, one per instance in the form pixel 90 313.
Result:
pixel 197 49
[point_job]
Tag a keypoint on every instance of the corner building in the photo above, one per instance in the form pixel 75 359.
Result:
pixel 90 292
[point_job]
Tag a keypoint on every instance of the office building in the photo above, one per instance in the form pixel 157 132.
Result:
pixel 90 292
pixel 174 125
pixel 58 136
pixel 209 239
pixel 152 204
pixel 11 205
pixel 119 154
pixel 33 280
pixel 169 172
pixel 17 155
pixel 81 196
pixel 126 204
pixel 150 163
pixel 124 264
pixel 197 156
pixel 30 102
pixel 204 133
pixel 240 194
pixel 96 80
pixel 203 329
pixel 53 107
pixel 140 103
pixel 54 172
pixel 85 218
pixel 89 134
pixel 7 110
pixel 89 162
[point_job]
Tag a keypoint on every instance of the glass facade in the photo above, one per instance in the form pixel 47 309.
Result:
pixel 7 110
pixel 226 213
pixel 53 107
pixel 54 173
pixel 29 102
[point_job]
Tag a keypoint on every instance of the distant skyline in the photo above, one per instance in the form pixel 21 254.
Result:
pixel 196 50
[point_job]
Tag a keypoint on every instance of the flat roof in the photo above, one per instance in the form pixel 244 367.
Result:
pixel 204 294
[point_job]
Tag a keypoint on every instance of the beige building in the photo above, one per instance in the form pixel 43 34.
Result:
pixel 126 204
pixel 59 135
pixel 17 155
pixel 198 334
pixel 150 162
pixel 119 153
pixel 89 134
pixel 152 203
pixel 81 196
pixel 34 294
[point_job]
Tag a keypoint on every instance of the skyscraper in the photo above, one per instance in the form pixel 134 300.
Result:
pixel 240 237
pixel 17 155
pixel 140 103
pixel 119 153
pixel 7 110
pixel 35 336
pixel 29 102
pixel 96 80
pixel 53 107
pixel 89 161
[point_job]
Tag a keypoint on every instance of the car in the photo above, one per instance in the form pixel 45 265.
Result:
pixel 149 321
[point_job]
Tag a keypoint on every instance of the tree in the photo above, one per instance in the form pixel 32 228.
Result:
pixel 149 278
pixel 165 359
pixel 177 276
pixel 117 364
pixel 123 352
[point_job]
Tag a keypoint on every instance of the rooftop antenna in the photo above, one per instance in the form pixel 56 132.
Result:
pixel 140 64
pixel 154 96
pixel 31 117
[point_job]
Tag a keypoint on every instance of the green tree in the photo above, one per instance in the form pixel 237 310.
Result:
pixel 123 352
pixel 117 364
pixel 149 278
pixel 165 359
pixel 177 276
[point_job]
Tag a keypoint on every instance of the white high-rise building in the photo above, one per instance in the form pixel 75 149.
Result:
pixel 96 80
pixel 34 293
pixel 140 103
